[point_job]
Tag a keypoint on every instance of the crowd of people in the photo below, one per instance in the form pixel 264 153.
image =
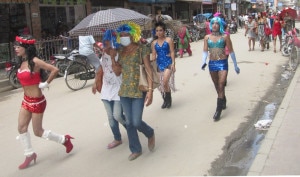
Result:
pixel 265 28
pixel 117 75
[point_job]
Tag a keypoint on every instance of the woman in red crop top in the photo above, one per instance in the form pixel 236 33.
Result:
pixel 34 102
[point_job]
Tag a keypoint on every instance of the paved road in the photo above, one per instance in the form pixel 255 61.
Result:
pixel 187 139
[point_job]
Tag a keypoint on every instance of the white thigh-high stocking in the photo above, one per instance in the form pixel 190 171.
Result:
pixel 48 135
pixel 26 143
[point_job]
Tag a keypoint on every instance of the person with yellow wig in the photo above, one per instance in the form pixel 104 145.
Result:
pixel 131 54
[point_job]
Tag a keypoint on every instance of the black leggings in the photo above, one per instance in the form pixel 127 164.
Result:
pixel 219 79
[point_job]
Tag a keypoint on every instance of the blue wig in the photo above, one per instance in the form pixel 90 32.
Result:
pixel 221 23
pixel 111 35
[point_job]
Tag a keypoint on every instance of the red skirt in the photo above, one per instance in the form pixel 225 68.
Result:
pixel 34 104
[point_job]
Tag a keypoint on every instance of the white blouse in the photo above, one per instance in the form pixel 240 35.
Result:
pixel 111 82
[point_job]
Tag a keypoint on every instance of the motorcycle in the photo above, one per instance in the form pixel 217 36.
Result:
pixel 62 61
pixel 11 70
pixel 232 27
pixel 194 33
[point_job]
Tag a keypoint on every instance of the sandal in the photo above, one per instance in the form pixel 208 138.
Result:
pixel 133 156
pixel 114 144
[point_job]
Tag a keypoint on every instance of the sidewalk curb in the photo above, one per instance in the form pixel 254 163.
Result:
pixel 266 146
pixel 5 85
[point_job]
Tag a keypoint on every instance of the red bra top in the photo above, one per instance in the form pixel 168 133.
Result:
pixel 27 78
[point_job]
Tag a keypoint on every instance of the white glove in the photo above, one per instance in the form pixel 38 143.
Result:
pixel 43 85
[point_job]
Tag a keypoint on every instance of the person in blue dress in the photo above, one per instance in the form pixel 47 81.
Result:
pixel 163 53
pixel 215 43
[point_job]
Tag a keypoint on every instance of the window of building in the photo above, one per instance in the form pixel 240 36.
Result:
pixel 182 12
pixel 12 22
pixel 104 4
pixel 58 20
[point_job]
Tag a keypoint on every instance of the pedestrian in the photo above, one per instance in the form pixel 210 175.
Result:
pixel 226 32
pixel 215 43
pixel 158 16
pixel 86 48
pixel 262 37
pixel 184 41
pixel 163 53
pixel 132 99
pixel 110 87
pixel 241 21
pixel 288 22
pixel 251 32
pixel 30 69
pixel 276 31
pixel 245 20
pixel 207 29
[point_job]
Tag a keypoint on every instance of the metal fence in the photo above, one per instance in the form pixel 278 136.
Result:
pixel 45 48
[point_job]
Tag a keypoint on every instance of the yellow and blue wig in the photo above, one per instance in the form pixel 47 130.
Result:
pixel 111 35
pixel 221 23
pixel 132 28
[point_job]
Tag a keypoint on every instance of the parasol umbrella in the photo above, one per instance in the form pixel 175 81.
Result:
pixel 290 11
pixel 96 23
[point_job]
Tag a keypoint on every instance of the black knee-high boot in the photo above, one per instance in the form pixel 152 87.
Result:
pixel 224 103
pixel 164 105
pixel 168 99
pixel 219 109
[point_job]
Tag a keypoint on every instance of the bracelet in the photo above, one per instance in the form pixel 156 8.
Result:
pixel 149 89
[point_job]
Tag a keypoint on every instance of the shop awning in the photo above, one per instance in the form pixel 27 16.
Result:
pixel 16 1
pixel 206 1
pixel 153 1
pixel 190 0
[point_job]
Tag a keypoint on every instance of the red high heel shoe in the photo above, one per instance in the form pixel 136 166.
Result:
pixel 68 144
pixel 28 160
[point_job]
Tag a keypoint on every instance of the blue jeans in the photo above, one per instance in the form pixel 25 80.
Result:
pixel 133 109
pixel 115 114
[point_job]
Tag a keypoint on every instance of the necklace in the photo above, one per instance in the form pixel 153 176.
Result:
pixel 216 33
pixel 24 59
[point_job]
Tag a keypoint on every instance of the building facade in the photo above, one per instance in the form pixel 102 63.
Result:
pixel 48 18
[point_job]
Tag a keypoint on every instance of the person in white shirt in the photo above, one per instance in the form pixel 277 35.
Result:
pixel 245 20
pixel 110 87
pixel 86 48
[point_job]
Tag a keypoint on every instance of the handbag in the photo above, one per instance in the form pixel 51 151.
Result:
pixel 143 82
pixel 267 30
